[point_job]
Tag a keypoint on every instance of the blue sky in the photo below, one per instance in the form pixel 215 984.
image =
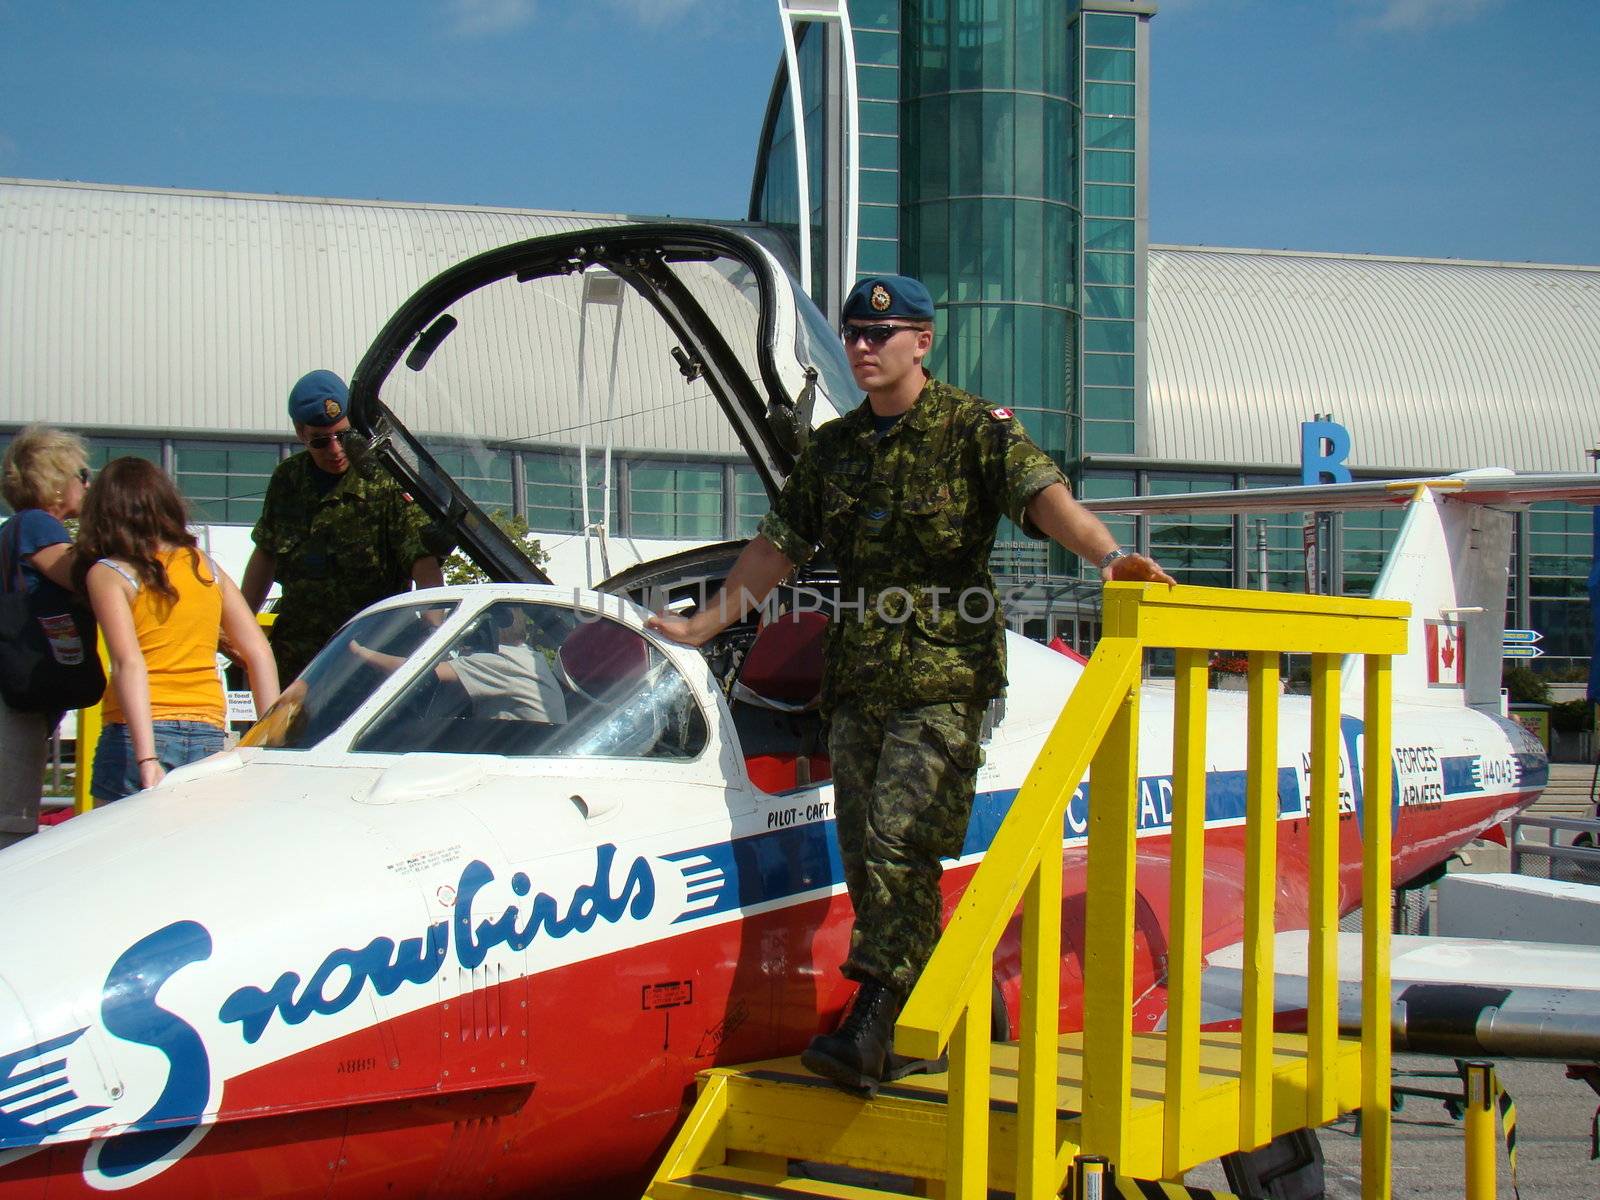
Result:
pixel 1453 128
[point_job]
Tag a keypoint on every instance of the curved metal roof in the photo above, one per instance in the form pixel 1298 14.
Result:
pixel 164 311
pixel 151 309
pixel 1431 364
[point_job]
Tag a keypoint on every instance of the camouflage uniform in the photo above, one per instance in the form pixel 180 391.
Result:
pixel 336 552
pixel 918 649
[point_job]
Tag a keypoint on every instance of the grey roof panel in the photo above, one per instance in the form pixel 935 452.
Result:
pixel 138 308
pixel 165 310
pixel 1432 364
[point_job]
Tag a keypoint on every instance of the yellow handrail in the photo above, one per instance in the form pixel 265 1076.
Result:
pixel 1100 725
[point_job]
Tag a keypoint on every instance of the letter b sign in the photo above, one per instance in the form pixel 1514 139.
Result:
pixel 1324 446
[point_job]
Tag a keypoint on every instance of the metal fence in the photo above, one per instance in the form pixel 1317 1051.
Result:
pixel 1568 850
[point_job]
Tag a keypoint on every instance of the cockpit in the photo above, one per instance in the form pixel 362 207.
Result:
pixel 521 678
pixel 534 378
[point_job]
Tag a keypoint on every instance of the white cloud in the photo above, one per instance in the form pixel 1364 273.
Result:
pixel 655 13
pixel 1413 15
pixel 480 18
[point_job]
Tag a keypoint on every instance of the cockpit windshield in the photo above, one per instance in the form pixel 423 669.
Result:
pixel 817 344
pixel 580 378
pixel 519 679
pixel 336 683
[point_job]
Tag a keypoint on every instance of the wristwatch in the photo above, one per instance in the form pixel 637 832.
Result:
pixel 1112 557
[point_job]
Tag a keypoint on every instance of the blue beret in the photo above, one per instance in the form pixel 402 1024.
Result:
pixel 888 296
pixel 319 398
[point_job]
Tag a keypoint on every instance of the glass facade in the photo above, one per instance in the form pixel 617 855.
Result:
pixel 675 501
pixel 750 502
pixel 991 212
pixel 1274 543
pixel 484 474
pixel 877 45
pixel 224 482
pixel 552 498
pixel 1364 540
pixel 103 450
pixel 1109 71
pixel 1196 549
pixel 1559 541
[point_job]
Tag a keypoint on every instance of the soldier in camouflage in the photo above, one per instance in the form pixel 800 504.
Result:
pixel 906 493
pixel 337 533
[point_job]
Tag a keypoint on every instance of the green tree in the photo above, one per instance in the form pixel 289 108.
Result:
pixel 1524 686
pixel 458 568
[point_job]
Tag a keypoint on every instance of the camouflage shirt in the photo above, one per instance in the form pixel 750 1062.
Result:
pixel 909 519
pixel 337 552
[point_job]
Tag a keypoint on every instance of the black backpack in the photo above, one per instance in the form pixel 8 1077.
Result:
pixel 49 648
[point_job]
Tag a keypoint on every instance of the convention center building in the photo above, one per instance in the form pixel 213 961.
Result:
pixel 996 149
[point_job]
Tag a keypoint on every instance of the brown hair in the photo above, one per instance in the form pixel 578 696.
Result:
pixel 39 464
pixel 131 513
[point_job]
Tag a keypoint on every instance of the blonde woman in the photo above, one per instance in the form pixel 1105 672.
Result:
pixel 44 477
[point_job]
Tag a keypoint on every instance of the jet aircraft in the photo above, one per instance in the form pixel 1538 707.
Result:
pixel 470 906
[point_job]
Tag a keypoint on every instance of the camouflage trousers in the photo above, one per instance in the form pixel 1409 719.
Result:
pixel 903 784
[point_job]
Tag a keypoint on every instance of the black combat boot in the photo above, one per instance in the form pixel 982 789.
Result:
pixel 898 1066
pixel 854 1055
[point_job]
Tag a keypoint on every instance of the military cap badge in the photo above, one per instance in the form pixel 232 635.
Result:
pixel 331 407
pixel 881 300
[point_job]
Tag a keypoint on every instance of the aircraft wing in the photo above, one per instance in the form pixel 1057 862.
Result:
pixel 1462 997
pixel 1495 488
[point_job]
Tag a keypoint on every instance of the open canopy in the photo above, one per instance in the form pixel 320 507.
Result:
pixel 681 340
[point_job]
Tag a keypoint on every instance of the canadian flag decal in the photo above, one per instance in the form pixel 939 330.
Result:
pixel 1447 654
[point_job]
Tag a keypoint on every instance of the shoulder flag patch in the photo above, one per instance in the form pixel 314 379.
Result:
pixel 1000 414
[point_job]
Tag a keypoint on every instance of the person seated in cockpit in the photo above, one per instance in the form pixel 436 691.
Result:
pixel 511 682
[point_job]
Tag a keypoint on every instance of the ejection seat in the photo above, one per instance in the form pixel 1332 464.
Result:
pixel 602 661
pixel 775 698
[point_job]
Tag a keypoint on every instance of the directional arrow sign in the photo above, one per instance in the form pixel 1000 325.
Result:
pixel 1521 652
pixel 1526 637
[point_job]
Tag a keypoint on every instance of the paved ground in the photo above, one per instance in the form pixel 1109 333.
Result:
pixel 1553 1130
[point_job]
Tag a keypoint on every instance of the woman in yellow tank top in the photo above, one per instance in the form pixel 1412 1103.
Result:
pixel 164 606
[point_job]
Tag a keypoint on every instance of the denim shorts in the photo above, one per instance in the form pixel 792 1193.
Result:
pixel 178 743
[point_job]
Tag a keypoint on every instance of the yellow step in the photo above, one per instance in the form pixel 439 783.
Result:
pixel 764 1183
pixel 768 1114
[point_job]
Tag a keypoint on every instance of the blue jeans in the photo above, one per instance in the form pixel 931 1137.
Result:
pixel 116 774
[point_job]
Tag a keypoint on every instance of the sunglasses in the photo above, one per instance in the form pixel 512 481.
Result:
pixel 345 437
pixel 85 475
pixel 873 335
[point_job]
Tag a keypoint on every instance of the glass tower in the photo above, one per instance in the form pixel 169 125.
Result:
pixel 1001 149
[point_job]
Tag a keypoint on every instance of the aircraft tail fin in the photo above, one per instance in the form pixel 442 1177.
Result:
pixel 1450 561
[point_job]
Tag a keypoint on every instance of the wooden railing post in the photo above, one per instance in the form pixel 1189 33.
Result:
pixel 1377 1158
pixel 1039 1029
pixel 1187 899
pixel 1108 948
pixel 967 1147
pixel 1322 1012
pixel 1260 891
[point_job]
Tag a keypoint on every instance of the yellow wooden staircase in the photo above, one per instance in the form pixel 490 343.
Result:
pixel 1012 1117
pixel 772 1128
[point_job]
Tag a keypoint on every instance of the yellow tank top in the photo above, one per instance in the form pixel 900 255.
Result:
pixel 179 641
